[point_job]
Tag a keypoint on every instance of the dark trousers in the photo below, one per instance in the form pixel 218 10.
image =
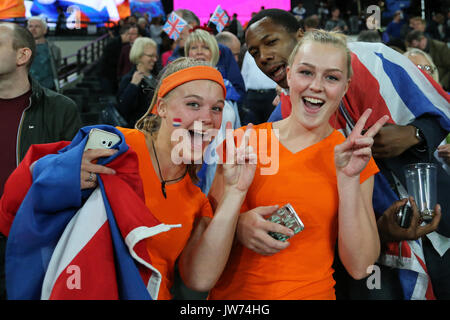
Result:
pixel 257 106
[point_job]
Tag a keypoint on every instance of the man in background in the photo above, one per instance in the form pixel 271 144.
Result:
pixel 107 68
pixel 47 57
pixel 31 113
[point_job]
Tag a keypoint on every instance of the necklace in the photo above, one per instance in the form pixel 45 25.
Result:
pixel 163 182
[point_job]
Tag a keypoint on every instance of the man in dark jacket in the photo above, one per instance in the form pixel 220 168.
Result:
pixel 31 114
pixel 109 61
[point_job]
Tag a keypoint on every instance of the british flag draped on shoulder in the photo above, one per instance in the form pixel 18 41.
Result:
pixel 65 243
pixel 398 88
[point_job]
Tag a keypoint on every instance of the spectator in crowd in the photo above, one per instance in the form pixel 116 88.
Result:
pixel 417 24
pixel 395 145
pixel 235 27
pixel 307 146
pixel 437 28
pixel 438 51
pixel 137 86
pixel 312 22
pixel 60 22
pixel 192 21
pixel 299 11
pixel 423 61
pixel 167 47
pixel 369 36
pixel 144 27
pixel 156 29
pixel 394 27
pixel 323 12
pixel 31 114
pixel 47 57
pixel 335 23
pixel 107 67
pixel 231 41
pixel 125 65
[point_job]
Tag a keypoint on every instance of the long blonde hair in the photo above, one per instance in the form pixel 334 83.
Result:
pixel 150 123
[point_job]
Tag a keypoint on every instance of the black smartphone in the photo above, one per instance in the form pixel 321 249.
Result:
pixel 404 216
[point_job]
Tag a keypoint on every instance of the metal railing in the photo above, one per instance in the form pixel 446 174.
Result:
pixel 75 64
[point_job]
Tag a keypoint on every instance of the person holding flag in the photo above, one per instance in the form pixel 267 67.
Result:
pixel 420 120
pixel 145 183
pixel 219 18
pixel 174 26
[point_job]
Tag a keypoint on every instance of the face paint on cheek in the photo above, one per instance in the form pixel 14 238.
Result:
pixel 176 122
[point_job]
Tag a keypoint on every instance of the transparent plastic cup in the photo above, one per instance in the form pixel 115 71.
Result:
pixel 421 185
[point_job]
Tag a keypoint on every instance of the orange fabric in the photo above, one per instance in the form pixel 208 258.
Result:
pixel 189 74
pixel 306 180
pixel 185 202
pixel 12 9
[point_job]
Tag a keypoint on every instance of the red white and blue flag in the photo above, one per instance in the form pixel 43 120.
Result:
pixel 219 18
pixel 70 244
pixel 176 122
pixel 174 25
pixel 408 258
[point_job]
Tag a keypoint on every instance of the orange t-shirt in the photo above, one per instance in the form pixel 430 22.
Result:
pixel 185 202
pixel 307 180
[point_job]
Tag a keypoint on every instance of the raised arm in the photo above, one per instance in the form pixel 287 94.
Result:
pixel 206 254
pixel 358 241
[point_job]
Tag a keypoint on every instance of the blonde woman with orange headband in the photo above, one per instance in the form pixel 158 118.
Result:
pixel 190 97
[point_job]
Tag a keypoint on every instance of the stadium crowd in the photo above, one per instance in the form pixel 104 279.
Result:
pixel 245 76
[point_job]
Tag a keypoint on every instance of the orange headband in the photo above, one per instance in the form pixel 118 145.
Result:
pixel 189 74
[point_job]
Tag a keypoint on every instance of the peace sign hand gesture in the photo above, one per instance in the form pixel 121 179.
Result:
pixel 352 156
pixel 239 169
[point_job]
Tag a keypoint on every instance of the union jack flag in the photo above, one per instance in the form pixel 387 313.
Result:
pixel 174 26
pixel 219 18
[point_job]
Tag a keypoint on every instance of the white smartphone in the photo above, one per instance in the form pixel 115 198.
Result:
pixel 101 139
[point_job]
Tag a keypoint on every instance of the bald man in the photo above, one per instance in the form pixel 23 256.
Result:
pixel 231 41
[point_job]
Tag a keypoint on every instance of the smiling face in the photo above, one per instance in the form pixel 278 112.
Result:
pixel 318 79
pixel 271 44
pixel 148 58
pixel 199 50
pixel 196 109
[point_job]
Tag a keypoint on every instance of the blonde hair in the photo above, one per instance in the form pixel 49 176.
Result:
pixel 150 123
pixel 415 52
pixel 336 39
pixel 139 45
pixel 41 20
pixel 208 39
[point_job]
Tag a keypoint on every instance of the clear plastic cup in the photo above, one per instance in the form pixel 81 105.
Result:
pixel 421 185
